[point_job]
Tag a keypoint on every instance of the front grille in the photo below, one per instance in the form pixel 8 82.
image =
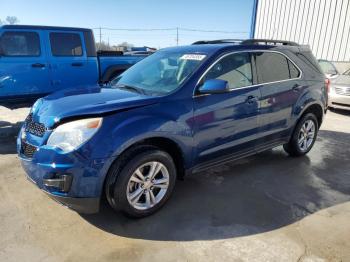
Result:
pixel 342 91
pixel 34 128
pixel 27 149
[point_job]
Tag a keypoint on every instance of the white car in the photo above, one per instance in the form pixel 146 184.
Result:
pixel 339 92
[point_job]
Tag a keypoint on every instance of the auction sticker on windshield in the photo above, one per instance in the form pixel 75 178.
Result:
pixel 193 57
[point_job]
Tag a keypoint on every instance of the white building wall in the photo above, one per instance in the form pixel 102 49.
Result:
pixel 324 25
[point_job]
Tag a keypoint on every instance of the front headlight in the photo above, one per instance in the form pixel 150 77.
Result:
pixel 71 135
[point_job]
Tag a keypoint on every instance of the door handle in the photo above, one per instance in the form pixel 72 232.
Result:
pixel 77 64
pixel 297 87
pixel 38 65
pixel 251 99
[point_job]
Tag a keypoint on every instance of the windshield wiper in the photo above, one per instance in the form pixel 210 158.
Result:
pixel 130 88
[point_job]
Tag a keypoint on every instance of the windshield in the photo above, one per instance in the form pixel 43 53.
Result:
pixel 327 67
pixel 160 73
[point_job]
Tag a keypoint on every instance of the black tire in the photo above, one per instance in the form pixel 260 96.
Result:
pixel 121 172
pixel 292 147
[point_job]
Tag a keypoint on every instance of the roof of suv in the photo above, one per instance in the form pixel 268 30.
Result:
pixel 41 27
pixel 213 46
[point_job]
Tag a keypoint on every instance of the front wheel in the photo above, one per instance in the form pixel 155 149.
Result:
pixel 304 136
pixel 143 184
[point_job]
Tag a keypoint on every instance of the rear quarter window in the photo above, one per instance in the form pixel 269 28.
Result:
pixel 66 44
pixel 310 61
pixel 293 70
pixel 15 43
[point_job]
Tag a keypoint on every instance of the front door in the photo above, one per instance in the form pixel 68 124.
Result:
pixel 23 64
pixel 226 123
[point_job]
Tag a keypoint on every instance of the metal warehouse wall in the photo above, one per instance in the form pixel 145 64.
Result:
pixel 322 24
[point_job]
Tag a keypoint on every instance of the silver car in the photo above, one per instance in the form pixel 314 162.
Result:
pixel 339 92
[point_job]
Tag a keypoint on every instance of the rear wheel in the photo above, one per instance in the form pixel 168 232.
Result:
pixel 144 182
pixel 304 136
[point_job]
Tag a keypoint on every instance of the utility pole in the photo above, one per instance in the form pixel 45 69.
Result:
pixel 100 38
pixel 177 36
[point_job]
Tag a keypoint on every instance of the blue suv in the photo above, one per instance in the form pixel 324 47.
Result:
pixel 178 111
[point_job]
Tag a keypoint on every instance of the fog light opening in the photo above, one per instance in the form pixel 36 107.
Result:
pixel 61 182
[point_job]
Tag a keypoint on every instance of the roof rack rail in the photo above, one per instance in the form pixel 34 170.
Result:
pixel 268 42
pixel 219 41
pixel 247 42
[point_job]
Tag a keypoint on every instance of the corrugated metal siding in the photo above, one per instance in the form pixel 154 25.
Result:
pixel 322 24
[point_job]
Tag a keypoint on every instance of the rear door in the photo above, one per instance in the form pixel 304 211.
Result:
pixel 69 61
pixel 23 64
pixel 280 85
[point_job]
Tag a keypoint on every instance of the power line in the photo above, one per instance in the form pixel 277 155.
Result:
pixel 212 31
pixel 176 31
pixel 136 29
pixel 171 29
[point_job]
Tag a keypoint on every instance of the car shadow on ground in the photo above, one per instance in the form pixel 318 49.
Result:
pixel 340 111
pixel 258 194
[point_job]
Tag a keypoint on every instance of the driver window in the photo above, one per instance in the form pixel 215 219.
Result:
pixel 236 69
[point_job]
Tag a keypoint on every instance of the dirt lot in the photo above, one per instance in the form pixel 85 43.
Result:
pixel 268 207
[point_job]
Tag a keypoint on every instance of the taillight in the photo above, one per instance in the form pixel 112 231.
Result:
pixel 328 85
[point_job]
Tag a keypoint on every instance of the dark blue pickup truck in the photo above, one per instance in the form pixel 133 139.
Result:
pixel 38 60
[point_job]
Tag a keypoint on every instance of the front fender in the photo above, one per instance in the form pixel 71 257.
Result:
pixel 171 120
pixel 144 127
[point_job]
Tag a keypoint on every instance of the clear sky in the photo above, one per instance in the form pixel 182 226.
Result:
pixel 218 15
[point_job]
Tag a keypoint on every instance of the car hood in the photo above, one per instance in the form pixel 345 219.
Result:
pixel 82 102
pixel 342 80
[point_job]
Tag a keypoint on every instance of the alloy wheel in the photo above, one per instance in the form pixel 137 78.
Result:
pixel 147 185
pixel 306 135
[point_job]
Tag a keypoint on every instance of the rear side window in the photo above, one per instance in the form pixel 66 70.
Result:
pixel 15 43
pixel 236 69
pixel 66 44
pixel 90 44
pixel 274 67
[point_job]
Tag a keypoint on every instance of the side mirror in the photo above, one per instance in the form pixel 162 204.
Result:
pixel 214 86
